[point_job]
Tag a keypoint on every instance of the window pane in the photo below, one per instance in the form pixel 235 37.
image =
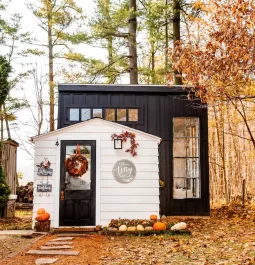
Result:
pixel 85 114
pixel 74 115
pixel 121 114
pixel 186 127
pixel 186 168
pixel 186 147
pixel 133 115
pixel 97 113
pixel 110 114
pixel 83 182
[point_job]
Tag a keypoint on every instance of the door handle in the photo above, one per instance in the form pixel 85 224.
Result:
pixel 62 195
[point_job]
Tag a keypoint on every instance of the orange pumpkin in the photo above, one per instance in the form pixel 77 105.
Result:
pixel 159 226
pixel 42 217
pixel 153 217
pixel 40 211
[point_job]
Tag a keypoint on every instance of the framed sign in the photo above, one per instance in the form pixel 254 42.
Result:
pixel 44 187
pixel 124 171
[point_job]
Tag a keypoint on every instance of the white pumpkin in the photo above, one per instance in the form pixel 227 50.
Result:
pixel 179 226
pixel 123 228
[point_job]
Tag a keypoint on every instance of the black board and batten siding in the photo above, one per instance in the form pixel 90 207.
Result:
pixel 157 106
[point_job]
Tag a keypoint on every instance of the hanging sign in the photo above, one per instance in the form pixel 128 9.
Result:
pixel 124 171
pixel 44 187
pixel 44 168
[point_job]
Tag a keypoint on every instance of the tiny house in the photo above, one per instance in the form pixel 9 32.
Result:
pixel 123 151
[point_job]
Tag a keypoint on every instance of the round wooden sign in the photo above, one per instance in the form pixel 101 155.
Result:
pixel 124 171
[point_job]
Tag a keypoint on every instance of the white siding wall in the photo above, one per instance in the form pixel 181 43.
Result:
pixel 137 199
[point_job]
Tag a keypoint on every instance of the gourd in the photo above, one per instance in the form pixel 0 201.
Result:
pixel 159 226
pixel 179 226
pixel 42 217
pixel 40 211
pixel 153 217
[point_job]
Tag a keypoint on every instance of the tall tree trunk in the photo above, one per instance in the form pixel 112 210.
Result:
pixel 6 122
pixel 2 122
pixel 51 73
pixel 153 75
pixel 132 25
pixel 166 38
pixel 176 33
pixel 110 55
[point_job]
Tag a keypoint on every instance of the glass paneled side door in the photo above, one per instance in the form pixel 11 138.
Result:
pixel 186 158
pixel 78 194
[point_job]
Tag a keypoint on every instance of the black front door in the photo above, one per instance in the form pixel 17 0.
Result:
pixel 78 194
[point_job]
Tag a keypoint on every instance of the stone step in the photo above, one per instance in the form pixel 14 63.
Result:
pixel 75 229
pixel 58 243
pixel 45 261
pixel 55 247
pixel 61 239
pixel 72 235
pixel 53 252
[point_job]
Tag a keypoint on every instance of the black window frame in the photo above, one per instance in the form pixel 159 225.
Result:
pixel 127 122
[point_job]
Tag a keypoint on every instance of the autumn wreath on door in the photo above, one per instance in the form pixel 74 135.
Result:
pixel 76 165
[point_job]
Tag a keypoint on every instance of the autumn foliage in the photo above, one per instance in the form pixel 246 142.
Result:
pixel 221 66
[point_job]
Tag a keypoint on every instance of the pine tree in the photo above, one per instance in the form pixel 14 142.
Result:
pixel 4 192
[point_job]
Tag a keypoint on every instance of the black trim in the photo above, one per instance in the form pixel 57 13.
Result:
pixel 122 88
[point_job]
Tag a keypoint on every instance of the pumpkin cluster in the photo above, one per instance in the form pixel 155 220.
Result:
pixel 76 165
pixel 157 226
pixel 42 215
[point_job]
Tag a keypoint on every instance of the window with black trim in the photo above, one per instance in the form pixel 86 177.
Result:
pixel 109 114
pixel 186 158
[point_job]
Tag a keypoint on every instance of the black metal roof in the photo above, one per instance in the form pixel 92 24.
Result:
pixel 176 89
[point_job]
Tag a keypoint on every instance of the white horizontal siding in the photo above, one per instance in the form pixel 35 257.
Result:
pixel 129 191
pixel 137 159
pixel 121 152
pixel 46 151
pixel 151 183
pixel 107 216
pixel 139 175
pixel 139 167
pixel 143 144
pixel 130 207
pixel 130 199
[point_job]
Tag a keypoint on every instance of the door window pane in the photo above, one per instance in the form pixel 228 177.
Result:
pixel 97 113
pixel 121 114
pixel 133 115
pixel 85 114
pixel 110 114
pixel 74 115
pixel 83 182
pixel 186 147
pixel 186 162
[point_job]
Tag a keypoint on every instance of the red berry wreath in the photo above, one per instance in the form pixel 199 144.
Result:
pixel 76 165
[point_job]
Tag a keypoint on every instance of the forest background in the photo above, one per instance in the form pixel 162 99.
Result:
pixel 127 41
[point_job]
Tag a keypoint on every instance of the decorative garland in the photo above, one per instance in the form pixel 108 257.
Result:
pixel 76 165
pixel 123 136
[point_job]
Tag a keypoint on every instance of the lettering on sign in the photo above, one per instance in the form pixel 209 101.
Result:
pixel 44 188
pixel 124 171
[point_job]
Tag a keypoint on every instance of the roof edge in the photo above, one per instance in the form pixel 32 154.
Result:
pixel 175 89
pixel 114 124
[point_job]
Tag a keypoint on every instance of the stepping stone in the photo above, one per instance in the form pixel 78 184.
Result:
pixel 61 239
pixel 56 247
pixel 45 261
pixel 59 243
pixel 72 235
pixel 53 252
